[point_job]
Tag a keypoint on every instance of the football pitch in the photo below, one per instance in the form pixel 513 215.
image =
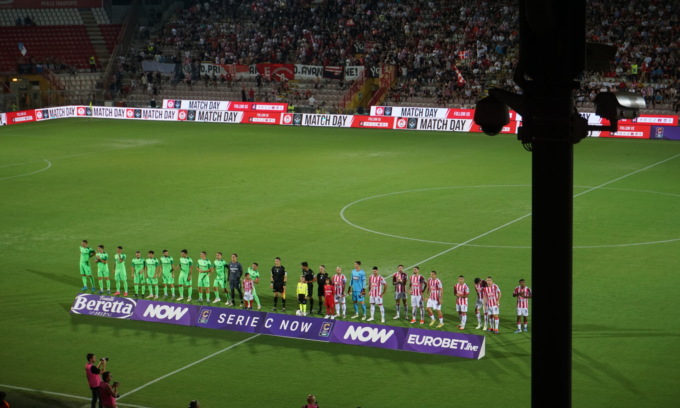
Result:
pixel 452 202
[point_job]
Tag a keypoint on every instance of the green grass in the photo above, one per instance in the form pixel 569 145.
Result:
pixel 276 191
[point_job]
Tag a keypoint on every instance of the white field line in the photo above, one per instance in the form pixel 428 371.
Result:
pixel 187 366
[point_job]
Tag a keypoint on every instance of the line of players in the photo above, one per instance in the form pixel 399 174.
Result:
pixel 332 290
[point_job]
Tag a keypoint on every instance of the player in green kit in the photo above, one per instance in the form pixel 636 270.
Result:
pixel 204 267
pixel 185 265
pixel 85 271
pixel 168 275
pixel 255 276
pixel 152 267
pixel 103 272
pixel 220 278
pixel 120 273
pixel 137 269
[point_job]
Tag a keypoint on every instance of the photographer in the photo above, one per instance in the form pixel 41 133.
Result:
pixel 92 372
pixel 107 392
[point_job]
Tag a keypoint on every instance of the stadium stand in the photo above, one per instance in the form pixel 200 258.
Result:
pixel 444 53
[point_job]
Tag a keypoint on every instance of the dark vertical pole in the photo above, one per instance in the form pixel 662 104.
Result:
pixel 551 258
pixel 552 57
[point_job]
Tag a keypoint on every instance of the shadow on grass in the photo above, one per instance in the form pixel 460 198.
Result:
pixel 66 280
pixel 21 398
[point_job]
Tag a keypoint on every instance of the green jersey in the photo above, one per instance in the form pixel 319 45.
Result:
pixel 151 265
pixel 101 266
pixel 166 264
pixel 138 264
pixel 185 264
pixel 204 265
pixel 219 265
pixel 84 254
pixel 254 275
pixel 120 262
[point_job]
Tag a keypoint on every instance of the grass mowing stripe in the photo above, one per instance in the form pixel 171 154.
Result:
pixel 527 215
pixel 189 366
pixel 60 394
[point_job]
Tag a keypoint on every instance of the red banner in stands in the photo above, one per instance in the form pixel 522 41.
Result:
pixel 40 4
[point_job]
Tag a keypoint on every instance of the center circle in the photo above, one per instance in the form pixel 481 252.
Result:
pixel 499 216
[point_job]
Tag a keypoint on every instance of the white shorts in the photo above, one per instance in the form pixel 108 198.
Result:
pixel 376 300
pixel 492 310
pixel 248 296
pixel 479 304
pixel 416 301
pixel 339 300
pixel 522 311
pixel 461 308
pixel 433 304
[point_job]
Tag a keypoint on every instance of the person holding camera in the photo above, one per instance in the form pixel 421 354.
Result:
pixel 108 392
pixel 92 372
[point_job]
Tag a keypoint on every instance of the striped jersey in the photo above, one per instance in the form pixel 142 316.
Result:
pixel 522 302
pixel 399 281
pixel 339 282
pixel 377 285
pixel 434 287
pixel 461 289
pixel 417 282
pixel 492 293
pixel 248 285
pixel 480 290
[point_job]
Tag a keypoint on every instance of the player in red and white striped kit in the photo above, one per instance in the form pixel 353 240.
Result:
pixel 434 302
pixel 480 306
pixel 376 291
pixel 462 291
pixel 399 279
pixel 523 294
pixel 417 284
pixel 339 282
pixel 248 292
pixel 492 294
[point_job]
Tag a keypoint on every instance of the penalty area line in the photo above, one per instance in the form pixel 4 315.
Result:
pixel 187 366
pixel 61 394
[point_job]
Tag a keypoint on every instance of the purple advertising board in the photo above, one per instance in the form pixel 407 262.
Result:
pixel 282 325
pixel 299 327
pixel 444 342
pixel 104 306
pixel 222 318
pixel 372 335
pixel 164 312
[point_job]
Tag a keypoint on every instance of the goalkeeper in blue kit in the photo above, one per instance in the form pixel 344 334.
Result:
pixel 357 288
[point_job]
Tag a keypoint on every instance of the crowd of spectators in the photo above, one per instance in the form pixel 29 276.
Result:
pixel 450 51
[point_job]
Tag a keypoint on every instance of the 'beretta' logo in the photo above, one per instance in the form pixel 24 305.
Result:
pixel 106 306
